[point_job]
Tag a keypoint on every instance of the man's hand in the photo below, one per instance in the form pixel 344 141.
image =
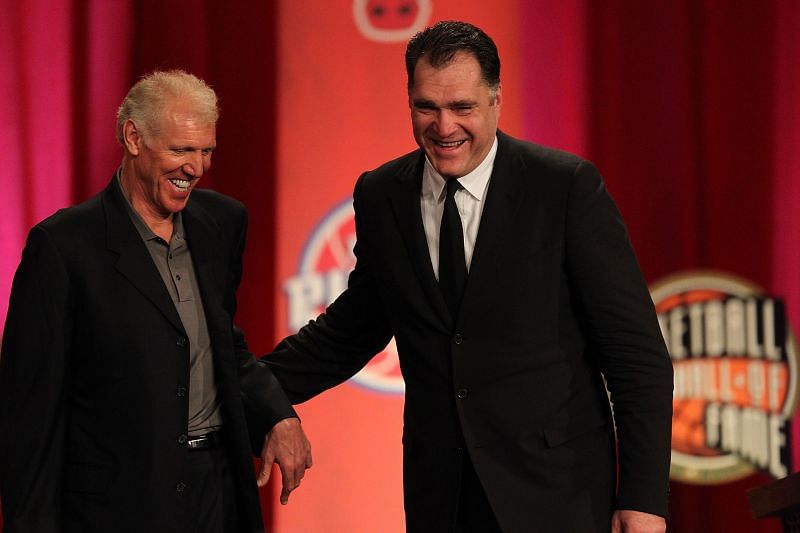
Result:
pixel 637 522
pixel 287 445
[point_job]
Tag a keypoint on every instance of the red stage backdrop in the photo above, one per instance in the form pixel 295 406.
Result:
pixel 343 109
pixel 691 105
pixel 691 109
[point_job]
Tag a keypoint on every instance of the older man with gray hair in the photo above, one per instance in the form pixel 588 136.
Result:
pixel 120 403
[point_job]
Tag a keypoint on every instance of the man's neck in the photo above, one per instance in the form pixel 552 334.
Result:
pixel 158 223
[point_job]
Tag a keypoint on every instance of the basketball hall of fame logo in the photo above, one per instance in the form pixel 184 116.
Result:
pixel 325 263
pixel 391 21
pixel 736 373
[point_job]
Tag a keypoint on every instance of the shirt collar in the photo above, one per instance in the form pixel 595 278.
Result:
pixel 141 227
pixel 433 184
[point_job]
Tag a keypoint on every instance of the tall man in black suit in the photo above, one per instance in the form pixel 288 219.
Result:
pixel 504 271
pixel 120 406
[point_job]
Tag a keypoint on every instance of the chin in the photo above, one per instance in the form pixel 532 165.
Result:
pixel 450 171
pixel 176 207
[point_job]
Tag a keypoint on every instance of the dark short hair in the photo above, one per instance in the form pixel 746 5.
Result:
pixel 440 43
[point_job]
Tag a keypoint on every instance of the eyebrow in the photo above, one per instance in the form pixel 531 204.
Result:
pixel 188 148
pixel 449 105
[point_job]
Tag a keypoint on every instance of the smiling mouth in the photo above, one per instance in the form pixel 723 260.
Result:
pixel 183 185
pixel 450 144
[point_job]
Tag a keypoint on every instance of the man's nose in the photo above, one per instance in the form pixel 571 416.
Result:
pixel 445 123
pixel 194 165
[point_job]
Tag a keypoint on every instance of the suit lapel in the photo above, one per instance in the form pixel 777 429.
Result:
pixel 205 242
pixel 498 220
pixel 405 200
pixel 134 261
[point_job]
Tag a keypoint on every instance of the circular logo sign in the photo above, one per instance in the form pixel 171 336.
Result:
pixel 390 20
pixel 736 374
pixel 325 263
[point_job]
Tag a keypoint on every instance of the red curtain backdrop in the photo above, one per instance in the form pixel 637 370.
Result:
pixel 691 109
pixel 692 119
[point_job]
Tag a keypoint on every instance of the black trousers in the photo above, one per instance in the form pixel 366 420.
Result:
pixel 474 513
pixel 210 493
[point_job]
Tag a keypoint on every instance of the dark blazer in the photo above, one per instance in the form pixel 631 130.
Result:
pixel 94 372
pixel 555 301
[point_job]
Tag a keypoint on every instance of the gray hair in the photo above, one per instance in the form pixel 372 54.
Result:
pixel 146 100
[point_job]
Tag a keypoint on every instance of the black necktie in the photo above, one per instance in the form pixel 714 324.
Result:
pixel 452 265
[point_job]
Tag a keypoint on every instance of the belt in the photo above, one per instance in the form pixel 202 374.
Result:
pixel 209 441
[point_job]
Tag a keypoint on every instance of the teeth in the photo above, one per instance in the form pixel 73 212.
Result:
pixel 451 144
pixel 181 184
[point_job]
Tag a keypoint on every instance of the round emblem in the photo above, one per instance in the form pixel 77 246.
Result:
pixel 736 371
pixel 325 263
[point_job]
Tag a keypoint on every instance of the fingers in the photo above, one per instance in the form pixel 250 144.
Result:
pixel 263 475
pixel 267 458
pixel 286 445
pixel 292 475
pixel 616 525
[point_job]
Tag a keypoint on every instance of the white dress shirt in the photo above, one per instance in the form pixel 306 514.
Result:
pixel 469 201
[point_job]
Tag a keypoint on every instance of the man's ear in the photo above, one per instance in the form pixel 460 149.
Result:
pixel 132 138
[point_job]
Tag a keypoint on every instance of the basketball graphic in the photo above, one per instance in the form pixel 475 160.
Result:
pixel 325 263
pixel 736 371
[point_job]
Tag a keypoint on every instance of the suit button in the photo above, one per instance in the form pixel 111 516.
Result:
pixel 180 392
pixel 181 342
pixel 458 339
pixel 462 393
pixel 182 439
pixel 180 487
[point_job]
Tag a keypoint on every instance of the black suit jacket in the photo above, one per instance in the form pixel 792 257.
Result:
pixel 554 303
pixel 94 372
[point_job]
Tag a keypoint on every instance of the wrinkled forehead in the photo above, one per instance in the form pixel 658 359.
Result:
pixel 187 108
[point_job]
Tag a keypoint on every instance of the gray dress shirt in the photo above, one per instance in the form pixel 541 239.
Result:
pixel 174 262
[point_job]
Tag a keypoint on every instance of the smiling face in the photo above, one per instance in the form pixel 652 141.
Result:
pixel 454 114
pixel 161 169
